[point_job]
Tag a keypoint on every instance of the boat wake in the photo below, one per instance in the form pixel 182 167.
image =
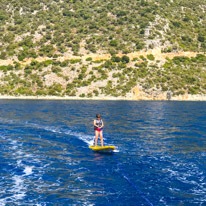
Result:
pixel 88 139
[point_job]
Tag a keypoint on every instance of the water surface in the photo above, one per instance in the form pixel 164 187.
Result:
pixel 45 159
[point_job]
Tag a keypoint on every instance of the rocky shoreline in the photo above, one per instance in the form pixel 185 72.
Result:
pixel 140 97
pixel 139 94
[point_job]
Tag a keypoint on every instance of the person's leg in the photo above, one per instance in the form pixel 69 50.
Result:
pixel 96 137
pixel 101 137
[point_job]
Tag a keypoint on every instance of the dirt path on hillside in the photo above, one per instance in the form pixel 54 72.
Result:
pixel 156 52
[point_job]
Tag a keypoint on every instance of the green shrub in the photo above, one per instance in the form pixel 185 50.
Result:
pixel 180 59
pixel 21 56
pixel 24 91
pixel 74 61
pixel 70 86
pixel 41 92
pixel 201 38
pixel 89 95
pixel 96 92
pixel 115 59
pixel 125 59
pixel 89 59
pixel 180 93
pixel 64 63
pixel 113 43
pixel 164 88
pixel 3 55
pixel 46 50
pixel 135 59
pixel 6 68
pixel 151 57
pixel 2 17
pixel 193 90
pixel 82 95
pixel 56 69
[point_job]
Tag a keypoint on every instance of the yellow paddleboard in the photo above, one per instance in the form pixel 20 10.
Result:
pixel 102 149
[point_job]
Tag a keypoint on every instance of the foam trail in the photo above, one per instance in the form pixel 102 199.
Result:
pixel 85 138
pixel 28 170
pixel 18 188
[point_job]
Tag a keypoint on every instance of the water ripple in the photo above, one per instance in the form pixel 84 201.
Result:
pixel 45 159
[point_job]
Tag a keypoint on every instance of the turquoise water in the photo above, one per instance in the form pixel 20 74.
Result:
pixel 45 159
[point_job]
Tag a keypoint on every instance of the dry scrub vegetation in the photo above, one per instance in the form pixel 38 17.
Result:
pixel 102 48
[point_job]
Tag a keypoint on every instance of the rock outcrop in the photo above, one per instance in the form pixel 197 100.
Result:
pixel 139 94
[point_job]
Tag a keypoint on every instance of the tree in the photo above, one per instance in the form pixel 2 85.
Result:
pixel 116 59
pixel 125 59
pixel 113 43
pixel 2 17
pixel 201 38
pixel 151 57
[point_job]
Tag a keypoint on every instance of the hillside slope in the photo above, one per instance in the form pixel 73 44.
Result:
pixel 103 48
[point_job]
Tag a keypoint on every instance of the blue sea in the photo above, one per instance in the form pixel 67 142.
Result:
pixel 160 156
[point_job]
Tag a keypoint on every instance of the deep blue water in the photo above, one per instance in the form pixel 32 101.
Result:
pixel 45 159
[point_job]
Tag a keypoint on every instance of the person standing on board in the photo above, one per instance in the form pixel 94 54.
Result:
pixel 98 127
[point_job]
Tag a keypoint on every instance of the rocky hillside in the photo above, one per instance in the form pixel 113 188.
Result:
pixel 117 48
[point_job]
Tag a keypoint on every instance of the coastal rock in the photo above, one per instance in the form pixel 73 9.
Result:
pixel 139 94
